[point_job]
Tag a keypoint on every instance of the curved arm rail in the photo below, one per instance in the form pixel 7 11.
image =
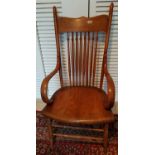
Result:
pixel 44 86
pixel 110 89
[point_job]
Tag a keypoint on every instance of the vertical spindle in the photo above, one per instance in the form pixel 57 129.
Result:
pixel 84 58
pixel 73 57
pixel 94 65
pixel 69 68
pixel 91 58
pixel 87 58
pixel 80 59
pixel 77 58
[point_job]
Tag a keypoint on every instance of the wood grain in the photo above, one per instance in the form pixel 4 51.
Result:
pixel 83 24
pixel 79 105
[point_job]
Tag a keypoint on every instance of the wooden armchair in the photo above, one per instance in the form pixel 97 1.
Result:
pixel 81 102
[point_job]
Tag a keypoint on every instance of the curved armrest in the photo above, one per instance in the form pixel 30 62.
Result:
pixel 44 86
pixel 111 89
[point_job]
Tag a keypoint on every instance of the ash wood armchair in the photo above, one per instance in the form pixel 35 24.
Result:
pixel 81 102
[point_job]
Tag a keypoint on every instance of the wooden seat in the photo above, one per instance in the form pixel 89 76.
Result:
pixel 79 105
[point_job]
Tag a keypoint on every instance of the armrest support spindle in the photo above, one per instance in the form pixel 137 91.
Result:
pixel 44 86
pixel 110 89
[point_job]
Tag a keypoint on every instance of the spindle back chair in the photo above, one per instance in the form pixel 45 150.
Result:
pixel 81 101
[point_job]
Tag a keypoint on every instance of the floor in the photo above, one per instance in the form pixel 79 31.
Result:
pixel 70 147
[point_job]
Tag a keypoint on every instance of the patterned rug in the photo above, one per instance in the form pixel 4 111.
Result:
pixel 70 147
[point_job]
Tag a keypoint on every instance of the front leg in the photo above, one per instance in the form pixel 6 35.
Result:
pixel 50 133
pixel 106 128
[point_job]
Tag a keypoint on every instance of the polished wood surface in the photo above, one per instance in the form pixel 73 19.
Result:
pixel 79 105
pixel 83 24
pixel 82 101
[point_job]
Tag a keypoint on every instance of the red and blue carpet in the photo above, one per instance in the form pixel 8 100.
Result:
pixel 69 147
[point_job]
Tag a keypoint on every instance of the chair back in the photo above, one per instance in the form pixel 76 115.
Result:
pixel 84 37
